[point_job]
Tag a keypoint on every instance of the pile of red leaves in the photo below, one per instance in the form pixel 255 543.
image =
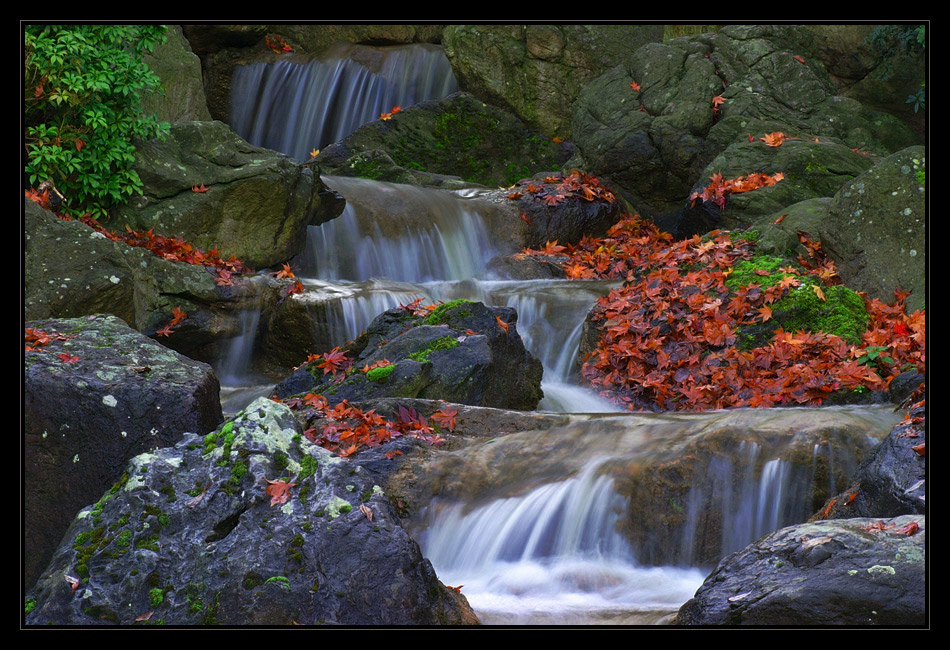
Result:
pixel 720 187
pixel 558 188
pixel 346 429
pixel 171 248
pixel 667 335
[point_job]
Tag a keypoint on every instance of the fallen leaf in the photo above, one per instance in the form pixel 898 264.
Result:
pixel 392 454
pixel 635 86
pixel 502 324
pixel 74 582
pixel 818 292
pixel 799 59
pixel 921 449
pixel 908 529
pixel 144 617
pixel 314 153
pixel 457 590
pixel 366 511
pixel 279 491
pixel 774 139
pixel 780 219
pixel 200 189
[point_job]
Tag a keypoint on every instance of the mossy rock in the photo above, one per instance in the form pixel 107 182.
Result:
pixel 839 311
pixel 444 142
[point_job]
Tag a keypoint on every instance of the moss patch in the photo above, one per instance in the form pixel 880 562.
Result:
pixel 440 313
pixel 381 373
pixel 444 343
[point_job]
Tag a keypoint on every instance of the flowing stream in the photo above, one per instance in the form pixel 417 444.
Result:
pixel 552 552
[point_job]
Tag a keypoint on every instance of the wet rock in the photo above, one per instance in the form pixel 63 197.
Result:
pixel 458 353
pixel 91 402
pixel 840 572
pixel 892 480
pixel 249 525
pixel 456 136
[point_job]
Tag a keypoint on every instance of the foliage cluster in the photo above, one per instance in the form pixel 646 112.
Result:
pixel 892 41
pixel 82 88
pixel 668 335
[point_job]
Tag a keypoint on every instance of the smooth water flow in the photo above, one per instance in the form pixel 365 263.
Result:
pixel 294 107
pixel 553 554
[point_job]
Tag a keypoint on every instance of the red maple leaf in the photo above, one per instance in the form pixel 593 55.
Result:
pixel 200 189
pixel 446 417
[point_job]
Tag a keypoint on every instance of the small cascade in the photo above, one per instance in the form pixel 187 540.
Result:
pixel 746 498
pixel 552 554
pixel 233 368
pixel 293 107
pixel 397 232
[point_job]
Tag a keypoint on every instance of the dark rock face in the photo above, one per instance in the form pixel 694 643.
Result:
pixel 250 525
pixel 257 205
pixel 839 572
pixel 892 480
pixel 458 353
pixel 124 394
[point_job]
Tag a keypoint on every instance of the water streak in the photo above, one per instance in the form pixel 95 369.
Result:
pixel 294 107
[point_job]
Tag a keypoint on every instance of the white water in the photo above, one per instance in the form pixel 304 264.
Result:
pixel 552 555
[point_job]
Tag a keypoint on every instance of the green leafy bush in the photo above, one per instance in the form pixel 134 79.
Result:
pixel 82 89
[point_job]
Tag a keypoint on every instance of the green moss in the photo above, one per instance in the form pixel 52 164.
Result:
pixel 444 343
pixel 169 493
pixel 921 177
pixel 380 373
pixel 439 314
pixel 745 272
pixel 124 538
pixel 237 472
pixel 150 543
pixel 308 467
pixel 252 580
pixel 29 605
pixel 280 580
pixel 156 597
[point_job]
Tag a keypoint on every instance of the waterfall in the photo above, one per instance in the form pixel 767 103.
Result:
pixel 554 552
pixel 295 107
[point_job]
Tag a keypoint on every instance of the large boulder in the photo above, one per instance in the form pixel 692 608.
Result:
pixel 94 396
pixel 183 97
pixel 537 71
pixel 250 525
pixel 655 142
pixel 462 352
pixel 876 229
pixel 810 170
pixel 73 270
pixel 839 572
pixel 253 204
pixel 458 136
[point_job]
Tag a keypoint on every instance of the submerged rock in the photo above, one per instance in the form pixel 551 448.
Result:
pixel 92 400
pixel 249 525
pixel 839 572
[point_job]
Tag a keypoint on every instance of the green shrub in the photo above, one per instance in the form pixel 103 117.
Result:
pixel 82 88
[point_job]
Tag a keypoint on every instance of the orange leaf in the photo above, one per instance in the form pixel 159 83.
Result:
pixel 799 59
pixel 920 449
pixel 80 143
pixel 286 273
pixel 818 292
pixel 780 219
pixel 279 491
pixel 200 189
pixel 635 86
pixel 774 139
pixel 502 324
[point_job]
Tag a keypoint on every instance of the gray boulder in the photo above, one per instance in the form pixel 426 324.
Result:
pixel 892 480
pixel 840 572
pixel 250 525
pixel 92 400
pixel 257 204
pixel 183 97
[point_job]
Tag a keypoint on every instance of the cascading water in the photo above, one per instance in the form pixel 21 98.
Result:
pixel 295 107
pixel 553 553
